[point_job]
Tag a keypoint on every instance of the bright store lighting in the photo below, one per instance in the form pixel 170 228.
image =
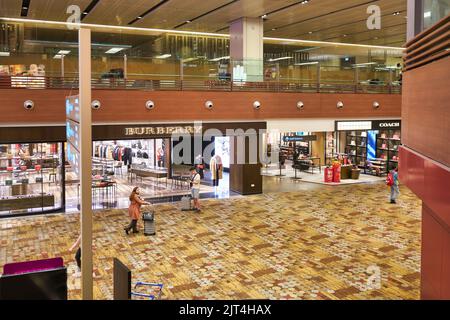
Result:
pixel 220 58
pixel 57 56
pixel 163 56
pixel 364 64
pixel 427 14
pixel 307 63
pixel 278 59
pixel 114 50
pixel 4 54
pixel 65 52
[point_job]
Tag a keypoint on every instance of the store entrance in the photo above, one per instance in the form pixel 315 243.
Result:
pixel 120 165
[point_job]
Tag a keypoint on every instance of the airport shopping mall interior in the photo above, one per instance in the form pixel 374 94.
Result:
pixel 293 113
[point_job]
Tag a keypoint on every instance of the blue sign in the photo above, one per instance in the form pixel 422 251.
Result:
pixel 372 145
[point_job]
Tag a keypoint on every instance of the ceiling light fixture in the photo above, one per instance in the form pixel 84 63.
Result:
pixel 279 59
pixel 220 58
pixel 223 35
pixel 4 54
pixel 427 14
pixel 114 50
pixel 65 52
pixel 304 2
pixel 264 16
pixel 163 56
pixel 306 63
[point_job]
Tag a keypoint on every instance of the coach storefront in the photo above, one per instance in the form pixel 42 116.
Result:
pixel 372 145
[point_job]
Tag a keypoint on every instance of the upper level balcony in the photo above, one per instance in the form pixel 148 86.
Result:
pixel 45 56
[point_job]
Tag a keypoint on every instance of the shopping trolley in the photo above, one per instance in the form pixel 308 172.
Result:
pixel 153 291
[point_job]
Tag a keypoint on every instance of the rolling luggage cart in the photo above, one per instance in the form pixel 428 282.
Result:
pixel 147 291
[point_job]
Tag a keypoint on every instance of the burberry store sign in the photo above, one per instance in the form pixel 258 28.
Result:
pixel 169 130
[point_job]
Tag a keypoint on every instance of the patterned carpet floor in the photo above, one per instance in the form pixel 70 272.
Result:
pixel 329 243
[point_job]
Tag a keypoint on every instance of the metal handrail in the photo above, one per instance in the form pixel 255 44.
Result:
pixel 285 85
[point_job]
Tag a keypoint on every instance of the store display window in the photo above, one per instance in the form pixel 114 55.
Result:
pixel 222 149
pixel 31 178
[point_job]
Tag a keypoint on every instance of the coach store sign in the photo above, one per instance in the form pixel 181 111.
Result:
pixel 386 125
pixel 368 125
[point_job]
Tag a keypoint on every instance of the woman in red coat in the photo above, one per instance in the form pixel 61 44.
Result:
pixel 134 210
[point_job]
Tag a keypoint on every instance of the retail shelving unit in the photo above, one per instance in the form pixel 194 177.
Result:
pixel 357 147
pixel 388 142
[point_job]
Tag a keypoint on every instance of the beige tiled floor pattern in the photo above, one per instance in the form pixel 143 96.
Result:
pixel 315 244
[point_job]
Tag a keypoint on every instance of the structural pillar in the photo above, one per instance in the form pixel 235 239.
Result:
pixel 246 49
pixel 415 13
pixel 84 66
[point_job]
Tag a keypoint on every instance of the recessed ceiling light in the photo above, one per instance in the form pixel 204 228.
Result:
pixel 264 16
pixel 188 21
pixel 139 17
pixel 279 59
pixel 304 2
pixel 163 56
pixel 273 29
pixel 114 50
pixel 396 13
pixel 220 58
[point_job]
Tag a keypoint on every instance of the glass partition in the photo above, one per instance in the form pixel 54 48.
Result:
pixel 435 10
pixel 139 56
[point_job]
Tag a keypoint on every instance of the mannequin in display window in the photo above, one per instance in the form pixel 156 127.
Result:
pixel 216 168
pixel 160 157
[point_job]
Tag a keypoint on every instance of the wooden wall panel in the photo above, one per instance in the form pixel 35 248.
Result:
pixel 426 112
pixel 128 106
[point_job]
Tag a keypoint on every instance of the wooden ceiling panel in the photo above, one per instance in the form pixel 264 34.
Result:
pixel 176 12
pixel 10 8
pixel 118 13
pixel 243 8
pixel 54 10
pixel 327 19
pixel 350 16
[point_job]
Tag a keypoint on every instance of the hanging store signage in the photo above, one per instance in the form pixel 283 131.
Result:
pixel 386 124
pixel 158 131
pixel 299 138
pixel 368 125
